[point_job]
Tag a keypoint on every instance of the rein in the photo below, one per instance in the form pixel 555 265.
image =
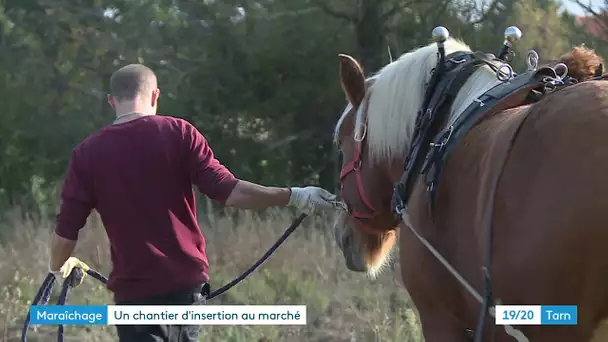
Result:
pixel 44 293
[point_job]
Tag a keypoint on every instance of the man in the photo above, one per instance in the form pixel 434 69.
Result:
pixel 138 174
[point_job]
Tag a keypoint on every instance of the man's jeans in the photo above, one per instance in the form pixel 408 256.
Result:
pixel 165 333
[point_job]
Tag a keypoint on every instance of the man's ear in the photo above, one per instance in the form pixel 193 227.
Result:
pixel 155 96
pixel 111 101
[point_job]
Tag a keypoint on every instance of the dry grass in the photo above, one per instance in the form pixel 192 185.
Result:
pixel 307 269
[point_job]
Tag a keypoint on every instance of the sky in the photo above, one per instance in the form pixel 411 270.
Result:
pixel 571 6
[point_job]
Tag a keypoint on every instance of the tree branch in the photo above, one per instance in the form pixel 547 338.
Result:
pixel 587 8
pixel 441 11
pixel 398 6
pixel 484 16
pixel 322 4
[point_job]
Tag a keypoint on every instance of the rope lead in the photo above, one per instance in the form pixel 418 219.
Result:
pixel 45 291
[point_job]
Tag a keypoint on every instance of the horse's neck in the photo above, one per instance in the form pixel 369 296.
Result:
pixel 395 168
pixel 480 82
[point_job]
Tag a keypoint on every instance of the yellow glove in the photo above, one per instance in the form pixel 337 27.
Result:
pixel 67 268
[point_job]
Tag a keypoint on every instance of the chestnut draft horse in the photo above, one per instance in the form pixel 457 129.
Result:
pixel 548 209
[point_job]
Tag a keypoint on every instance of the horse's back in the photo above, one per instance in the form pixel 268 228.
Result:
pixel 551 205
pixel 560 154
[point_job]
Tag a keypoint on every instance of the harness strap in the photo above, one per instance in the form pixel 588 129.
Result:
pixel 517 334
pixel 501 97
pixel 434 112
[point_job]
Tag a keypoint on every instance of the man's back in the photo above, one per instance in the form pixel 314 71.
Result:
pixel 139 176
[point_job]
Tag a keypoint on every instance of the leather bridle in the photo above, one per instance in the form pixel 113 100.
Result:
pixel 354 167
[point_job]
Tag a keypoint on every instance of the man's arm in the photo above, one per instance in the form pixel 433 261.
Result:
pixel 247 195
pixel 218 183
pixel 61 250
pixel 76 205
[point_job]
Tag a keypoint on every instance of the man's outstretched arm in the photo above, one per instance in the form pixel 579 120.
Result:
pixel 247 195
pixel 218 183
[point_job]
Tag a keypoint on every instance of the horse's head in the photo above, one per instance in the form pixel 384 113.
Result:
pixel 366 231
pixel 374 134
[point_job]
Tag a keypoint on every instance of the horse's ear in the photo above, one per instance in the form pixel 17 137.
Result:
pixel 352 79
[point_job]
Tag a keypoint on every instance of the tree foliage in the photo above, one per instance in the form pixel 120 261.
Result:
pixel 258 78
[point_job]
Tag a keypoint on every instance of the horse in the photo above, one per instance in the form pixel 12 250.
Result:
pixel 535 173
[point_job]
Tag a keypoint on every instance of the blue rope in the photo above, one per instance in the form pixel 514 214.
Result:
pixel 44 293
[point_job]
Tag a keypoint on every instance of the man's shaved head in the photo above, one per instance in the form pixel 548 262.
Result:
pixel 132 81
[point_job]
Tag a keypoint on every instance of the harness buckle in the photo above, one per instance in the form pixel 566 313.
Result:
pixel 457 61
pixel 397 202
pixel 444 140
pixel 502 74
pixel 357 165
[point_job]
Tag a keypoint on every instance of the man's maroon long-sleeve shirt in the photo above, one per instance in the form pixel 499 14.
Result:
pixel 138 175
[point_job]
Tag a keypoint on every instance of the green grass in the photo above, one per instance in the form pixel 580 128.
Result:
pixel 307 269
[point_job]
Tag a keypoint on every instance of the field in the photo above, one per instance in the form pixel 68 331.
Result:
pixel 307 269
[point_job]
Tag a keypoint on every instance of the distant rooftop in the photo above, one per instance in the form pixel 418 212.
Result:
pixel 594 26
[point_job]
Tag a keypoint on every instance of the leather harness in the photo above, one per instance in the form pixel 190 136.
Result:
pixel 433 143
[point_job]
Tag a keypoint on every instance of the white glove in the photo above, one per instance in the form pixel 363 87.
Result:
pixel 311 199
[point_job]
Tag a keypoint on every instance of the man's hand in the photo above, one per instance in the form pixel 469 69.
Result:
pixel 68 267
pixel 311 199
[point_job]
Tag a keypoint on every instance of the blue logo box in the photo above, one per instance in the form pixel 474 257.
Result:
pixel 559 315
pixel 69 314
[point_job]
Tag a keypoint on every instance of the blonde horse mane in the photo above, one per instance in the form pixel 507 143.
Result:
pixel 397 94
